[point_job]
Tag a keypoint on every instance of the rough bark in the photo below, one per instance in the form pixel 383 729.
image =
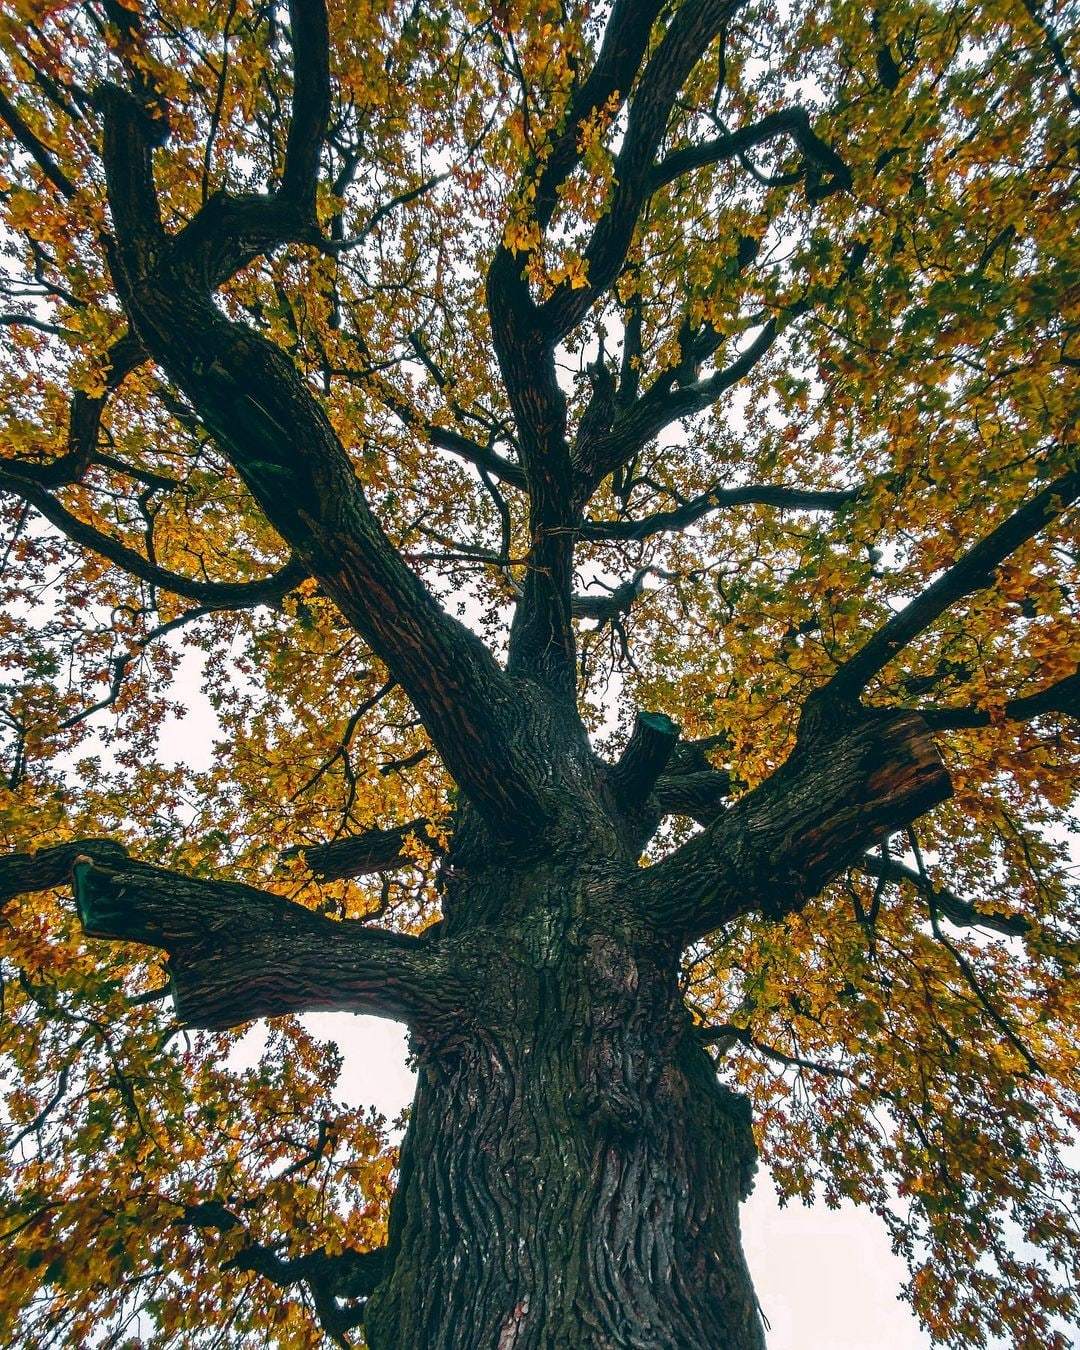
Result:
pixel 236 952
pixel 573 1170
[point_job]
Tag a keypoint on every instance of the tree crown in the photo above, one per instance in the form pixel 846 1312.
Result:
pixel 430 374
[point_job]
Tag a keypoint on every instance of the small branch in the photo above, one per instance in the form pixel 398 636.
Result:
pixel 604 608
pixel 35 147
pixel 660 405
pixel 963 965
pixel 700 793
pixel 214 594
pixel 84 419
pixel 959 912
pixel 1062 697
pixel 727 1034
pixel 347 1275
pixel 974 571
pixel 718 498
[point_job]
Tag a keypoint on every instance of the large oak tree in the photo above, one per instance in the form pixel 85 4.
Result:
pixel 611 468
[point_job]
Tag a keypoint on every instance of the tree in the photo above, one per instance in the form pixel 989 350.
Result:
pixel 615 466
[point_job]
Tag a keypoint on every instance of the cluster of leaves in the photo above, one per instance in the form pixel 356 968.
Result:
pixel 913 259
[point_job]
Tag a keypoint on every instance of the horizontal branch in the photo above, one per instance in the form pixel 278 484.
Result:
pixel 213 594
pixel 238 953
pixel 838 793
pixel 717 498
pixel 330 1277
pixel 959 912
pixel 700 793
pixel 372 851
pixel 794 122
pixel 22 873
pixel 1061 697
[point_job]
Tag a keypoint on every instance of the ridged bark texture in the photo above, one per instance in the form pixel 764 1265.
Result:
pixel 572 1171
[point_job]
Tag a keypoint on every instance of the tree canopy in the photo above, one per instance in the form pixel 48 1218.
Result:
pixel 712 359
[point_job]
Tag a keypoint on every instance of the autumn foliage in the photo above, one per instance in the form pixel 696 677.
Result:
pixel 812 320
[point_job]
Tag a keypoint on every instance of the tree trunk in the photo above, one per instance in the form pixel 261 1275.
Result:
pixel 572 1170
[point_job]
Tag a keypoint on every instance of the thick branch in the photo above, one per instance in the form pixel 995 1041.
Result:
pixel 646 755
pixel 626 36
pixel 838 793
pixel 692 29
pixel 237 953
pixel 699 793
pixel 250 395
pixel 524 335
pixel 310 34
pixel 972 572
pixel 21 873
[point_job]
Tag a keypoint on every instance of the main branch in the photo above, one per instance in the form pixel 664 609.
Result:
pixel 840 791
pixel 250 395
pixel 237 953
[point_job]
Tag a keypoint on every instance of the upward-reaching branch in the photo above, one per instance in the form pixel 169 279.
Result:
pixel 692 29
pixel 525 335
pixel 250 395
pixel 661 405
pixel 969 573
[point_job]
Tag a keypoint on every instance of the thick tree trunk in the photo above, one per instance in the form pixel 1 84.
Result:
pixel 572 1171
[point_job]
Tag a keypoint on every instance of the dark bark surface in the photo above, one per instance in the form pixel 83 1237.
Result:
pixel 573 1170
